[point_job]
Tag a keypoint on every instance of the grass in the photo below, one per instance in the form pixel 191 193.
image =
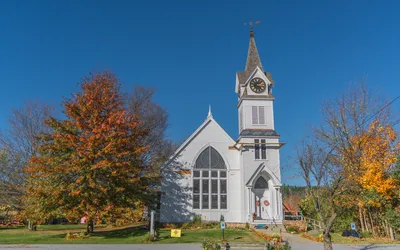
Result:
pixel 339 239
pixel 55 234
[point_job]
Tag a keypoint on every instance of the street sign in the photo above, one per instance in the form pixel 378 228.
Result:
pixel 353 226
pixel 175 233
pixel 222 224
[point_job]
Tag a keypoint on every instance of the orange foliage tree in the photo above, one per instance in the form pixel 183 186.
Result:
pixel 89 164
pixel 379 152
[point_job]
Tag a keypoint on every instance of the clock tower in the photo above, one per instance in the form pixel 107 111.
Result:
pixel 258 141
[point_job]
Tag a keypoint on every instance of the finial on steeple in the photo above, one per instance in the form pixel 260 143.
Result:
pixel 251 24
pixel 209 111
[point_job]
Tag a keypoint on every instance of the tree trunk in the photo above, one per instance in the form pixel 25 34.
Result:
pixel 327 240
pixel 361 219
pixel 31 226
pixel 386 228
pixel 372 224
pixel 89 227
pixel 391 233
pixel 366 222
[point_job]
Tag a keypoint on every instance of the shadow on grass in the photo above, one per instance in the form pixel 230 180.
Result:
pixel 122 233
pixel 10 228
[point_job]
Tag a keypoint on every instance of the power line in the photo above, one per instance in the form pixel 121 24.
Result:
pixel 368 119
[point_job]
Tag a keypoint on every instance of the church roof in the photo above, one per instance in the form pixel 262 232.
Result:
pixel 253 58
pixel 253 61
pixel 208 120
pixel 258 132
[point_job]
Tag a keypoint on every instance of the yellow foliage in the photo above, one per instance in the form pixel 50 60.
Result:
pixel 378 150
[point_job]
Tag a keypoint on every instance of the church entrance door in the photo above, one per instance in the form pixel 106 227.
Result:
pixel 261 192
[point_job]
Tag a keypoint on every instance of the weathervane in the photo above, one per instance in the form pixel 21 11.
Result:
pixel 251 24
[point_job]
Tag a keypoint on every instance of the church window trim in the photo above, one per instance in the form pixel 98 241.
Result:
pixel 258 115
pixel 260 149
pixel 241 118
pixel 210 181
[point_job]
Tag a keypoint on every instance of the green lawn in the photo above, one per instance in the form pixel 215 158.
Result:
pixel 339 239
pixel 55 234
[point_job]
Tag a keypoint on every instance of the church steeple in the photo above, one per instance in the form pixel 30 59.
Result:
pixel 253 58
pixel 252 63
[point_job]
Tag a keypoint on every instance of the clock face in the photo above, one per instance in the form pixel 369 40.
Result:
pixel 257 85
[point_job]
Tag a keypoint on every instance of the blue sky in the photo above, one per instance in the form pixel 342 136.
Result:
pixel 190 50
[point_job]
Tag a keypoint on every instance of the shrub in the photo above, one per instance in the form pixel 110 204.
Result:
pixel 77 236
pixel 320 238
pixel 171 226
pixel 276 237
pixel 285 246
pixel 292 230
pixel 278 246
pixel 366 234
pixel 247 226
pixel 196 218
pixel 211 245
pixel 186 225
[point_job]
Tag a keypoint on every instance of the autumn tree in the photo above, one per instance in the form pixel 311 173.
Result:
pixel 379 148
pixel 89 165
pixel 345 143
pixel 17 145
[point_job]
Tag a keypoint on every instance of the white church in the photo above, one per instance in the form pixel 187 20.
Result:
pixel 211 174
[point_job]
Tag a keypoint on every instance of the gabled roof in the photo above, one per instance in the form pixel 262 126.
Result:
pixel 209 120
pixel 256 173
pixel 258 132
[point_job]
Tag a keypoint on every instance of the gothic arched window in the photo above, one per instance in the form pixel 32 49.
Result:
pixel 261 183
pixel 210 181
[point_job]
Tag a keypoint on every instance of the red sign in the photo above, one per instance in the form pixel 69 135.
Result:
pixel 266 203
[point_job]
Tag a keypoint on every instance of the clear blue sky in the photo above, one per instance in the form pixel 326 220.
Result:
pixel 190 51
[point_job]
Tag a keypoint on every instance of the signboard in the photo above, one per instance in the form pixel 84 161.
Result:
pixel 222 224
pixel 175 233
pixel 353 226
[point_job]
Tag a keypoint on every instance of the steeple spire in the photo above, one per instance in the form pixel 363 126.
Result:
pixel 253 58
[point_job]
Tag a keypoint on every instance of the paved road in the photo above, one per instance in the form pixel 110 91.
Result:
pixel 295 246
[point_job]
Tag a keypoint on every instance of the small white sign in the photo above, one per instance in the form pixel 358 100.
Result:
pixel 353 226
pixel 222 224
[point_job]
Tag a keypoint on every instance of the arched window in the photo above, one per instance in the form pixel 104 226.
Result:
pixel 210 181
pixel 261 183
